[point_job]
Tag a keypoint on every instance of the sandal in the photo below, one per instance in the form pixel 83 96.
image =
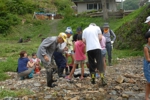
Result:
pixel 81 78
pixel 67 77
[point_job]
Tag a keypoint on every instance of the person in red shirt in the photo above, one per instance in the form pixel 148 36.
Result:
pixel 37 62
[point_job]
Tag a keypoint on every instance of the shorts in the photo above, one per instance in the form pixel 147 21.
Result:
pixel 146 70
pixel 70 52
pixel 79 61
pixel 103 51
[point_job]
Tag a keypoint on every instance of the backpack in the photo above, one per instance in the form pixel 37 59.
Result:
pixel 109 31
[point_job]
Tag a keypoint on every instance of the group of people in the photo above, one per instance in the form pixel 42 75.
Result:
pixel 92 42
pixel 27 66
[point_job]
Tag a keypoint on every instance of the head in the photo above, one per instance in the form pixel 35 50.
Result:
pixel 68 31
pixel 79 37
pixel 23 54
pixel 79 30
pixel 62 38
pixel 147 20
pixel 34 55
pixel 92 24
pixel 106 26
pixel 147 36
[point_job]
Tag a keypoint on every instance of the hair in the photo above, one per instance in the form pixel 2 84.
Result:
pixel 22 54
pixel 147 35
pixel 79 37
pixel 33 54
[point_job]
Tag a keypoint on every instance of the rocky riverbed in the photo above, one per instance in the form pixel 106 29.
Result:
pixel 125 81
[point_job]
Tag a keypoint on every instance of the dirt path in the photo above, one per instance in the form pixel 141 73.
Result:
pixel 54 26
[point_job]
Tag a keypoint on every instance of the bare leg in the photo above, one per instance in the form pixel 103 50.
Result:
pixel 104 60
pixel 82 70
pixel 72 71
pixel 147 91
pixel 72 58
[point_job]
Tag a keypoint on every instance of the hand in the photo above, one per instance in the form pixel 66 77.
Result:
pixel 46 58
pixel 66 48
pixel 112 42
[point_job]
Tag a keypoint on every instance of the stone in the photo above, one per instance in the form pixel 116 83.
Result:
pixel 119 79
pixel 125 96
pixel 37 84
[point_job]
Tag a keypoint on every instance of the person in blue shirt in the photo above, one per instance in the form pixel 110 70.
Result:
pixel 25 66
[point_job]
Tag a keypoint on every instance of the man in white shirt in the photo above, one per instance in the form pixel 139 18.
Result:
pixel 91 36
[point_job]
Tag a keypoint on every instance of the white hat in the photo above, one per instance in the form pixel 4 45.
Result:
pixel 147 19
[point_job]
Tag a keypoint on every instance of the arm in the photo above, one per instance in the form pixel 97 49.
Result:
pixel 100 36
pixel 46 43
pixel 146 54
pixel 84 50
pixel 99 33
pixel 113 34
pixel 62 47
pixel 30 64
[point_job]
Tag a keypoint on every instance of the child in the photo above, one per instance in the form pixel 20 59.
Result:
pixel 103 50
pixel 37 62
pixel 80 57
pixel 70 51
pixel 146 63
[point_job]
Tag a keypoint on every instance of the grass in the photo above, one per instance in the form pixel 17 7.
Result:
pixel 14 93
pixel 9 51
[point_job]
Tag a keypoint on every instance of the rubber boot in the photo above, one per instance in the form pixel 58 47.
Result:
pixel 60 72
pixel 50 78
pixel 66 71
pixel 102 79
pixel 93 78
pixel 109 62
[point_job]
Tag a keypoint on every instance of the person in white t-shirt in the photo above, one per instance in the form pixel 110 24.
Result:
pixel 91 36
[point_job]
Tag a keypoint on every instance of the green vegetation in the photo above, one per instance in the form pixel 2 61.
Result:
pixel 130 32
pixel 132 29
pixel 129 5
pixel 11 93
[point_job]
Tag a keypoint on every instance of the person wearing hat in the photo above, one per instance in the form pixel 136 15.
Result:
pixel 70 51
pixel 91 37
pixel 108 33
pixel 79 31
pixel 146 64
pixel 148 21
pixel 45 53
pixel 60 60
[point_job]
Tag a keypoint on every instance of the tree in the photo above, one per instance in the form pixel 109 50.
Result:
pixel 104 8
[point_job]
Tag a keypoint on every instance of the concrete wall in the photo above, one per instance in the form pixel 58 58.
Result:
pixel 82 7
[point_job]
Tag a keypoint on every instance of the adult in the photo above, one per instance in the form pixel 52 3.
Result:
pixel 45 52
pixel 60 60
pixel 79 31
pixel 25 68
pixel 148 21
pixel 108 33
pixel 91 36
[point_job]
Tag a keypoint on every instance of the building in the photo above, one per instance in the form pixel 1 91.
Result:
pixel 89 5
